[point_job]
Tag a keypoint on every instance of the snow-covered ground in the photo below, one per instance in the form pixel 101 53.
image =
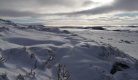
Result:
pixel 127 41
pixel 42 53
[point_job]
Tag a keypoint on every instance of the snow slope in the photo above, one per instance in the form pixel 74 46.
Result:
pixel 42 53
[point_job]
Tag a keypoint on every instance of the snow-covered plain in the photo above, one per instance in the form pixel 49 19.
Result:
pixel 42 53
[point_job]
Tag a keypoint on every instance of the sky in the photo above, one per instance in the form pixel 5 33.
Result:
pixel 70 12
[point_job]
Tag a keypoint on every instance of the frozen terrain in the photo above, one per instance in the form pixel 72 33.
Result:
pixel 123 38
pixel 42 53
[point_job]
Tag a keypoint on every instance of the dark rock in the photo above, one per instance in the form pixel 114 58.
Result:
pixel 118 67
pixel 116 30
pixel 98 28
pixel 127 41
pixel 66 31
pixel 132 26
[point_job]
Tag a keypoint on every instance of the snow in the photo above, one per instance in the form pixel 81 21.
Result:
pixel 47 53
pixel 125 41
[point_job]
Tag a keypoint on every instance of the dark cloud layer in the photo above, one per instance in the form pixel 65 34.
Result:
pixel 57 2
pixel 13 13
pixel 34 8
pixel 22 4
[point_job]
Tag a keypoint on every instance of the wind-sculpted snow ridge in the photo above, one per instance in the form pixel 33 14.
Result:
pixel 8 22
pixel 34 54
pixel 43 28
pixel 3 29
pixel 20 26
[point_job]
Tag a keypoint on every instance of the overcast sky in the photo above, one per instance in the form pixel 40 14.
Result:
pixel 71 12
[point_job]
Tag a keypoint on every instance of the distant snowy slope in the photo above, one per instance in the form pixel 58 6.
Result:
pixel 44 53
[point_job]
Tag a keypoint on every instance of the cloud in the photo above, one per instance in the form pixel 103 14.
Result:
pixel 127 14
pixel 33 4
pixel 70 8
pixel 68 3
pixel 37 8
pixel 14 13
pixel 88 3
pixel 115 6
